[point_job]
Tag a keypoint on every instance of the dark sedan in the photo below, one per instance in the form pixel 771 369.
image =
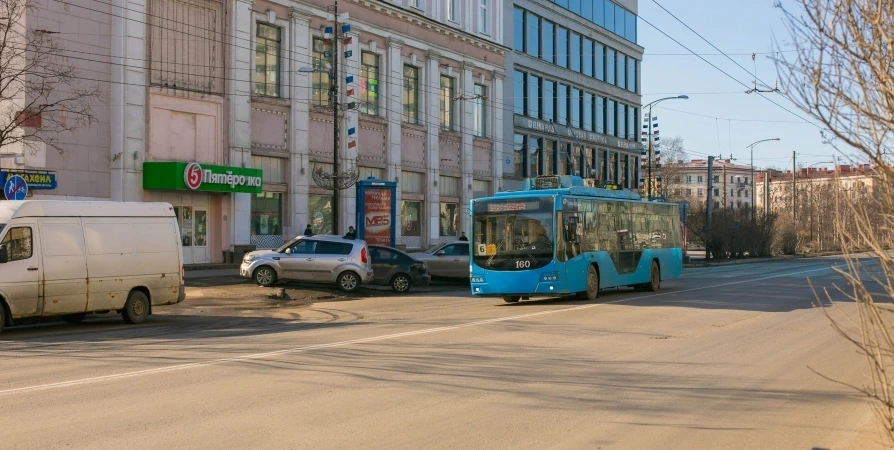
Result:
pixel 392 267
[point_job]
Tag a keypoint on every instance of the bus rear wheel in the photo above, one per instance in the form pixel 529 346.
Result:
pixel 592 291
pixel 654 278
pixel 511 298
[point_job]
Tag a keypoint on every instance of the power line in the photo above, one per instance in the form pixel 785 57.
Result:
pixel 731 119
pixel 725 73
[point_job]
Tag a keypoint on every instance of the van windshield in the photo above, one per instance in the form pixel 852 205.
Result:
pixel 2 226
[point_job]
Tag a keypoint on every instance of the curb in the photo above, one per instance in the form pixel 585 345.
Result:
pixel 196 267
pixel 735 262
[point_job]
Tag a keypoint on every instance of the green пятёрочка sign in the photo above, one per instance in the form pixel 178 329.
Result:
pixel 191 176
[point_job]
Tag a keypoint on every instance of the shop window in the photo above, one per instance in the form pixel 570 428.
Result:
pixel 449 219
pixel 320 213
pixel 266 219
pixel 410 218
pixel 518 147
pixel 374 172
pixel 481 188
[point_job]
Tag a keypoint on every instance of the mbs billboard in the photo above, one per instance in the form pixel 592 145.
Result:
pixel 376 211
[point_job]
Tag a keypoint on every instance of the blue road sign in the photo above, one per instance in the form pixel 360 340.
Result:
pixel 15 188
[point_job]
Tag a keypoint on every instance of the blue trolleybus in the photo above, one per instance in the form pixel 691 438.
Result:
pixel 559 237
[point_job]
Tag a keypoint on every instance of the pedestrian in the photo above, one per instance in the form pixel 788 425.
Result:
pixel 463 237
pixel 308 231
pixel 352 234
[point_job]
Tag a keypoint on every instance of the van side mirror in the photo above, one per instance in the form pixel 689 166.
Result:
pixel 4 254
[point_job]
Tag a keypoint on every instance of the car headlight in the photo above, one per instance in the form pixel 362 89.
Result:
pixel 250 258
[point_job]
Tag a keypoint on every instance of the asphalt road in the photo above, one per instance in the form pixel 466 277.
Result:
pixel 722 358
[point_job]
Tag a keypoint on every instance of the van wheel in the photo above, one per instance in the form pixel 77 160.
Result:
pixel 511 298
pixel 74 318
pixel 400 283
pixel 265 276
pixel 348 281
pixel 654 278
pixel 136 309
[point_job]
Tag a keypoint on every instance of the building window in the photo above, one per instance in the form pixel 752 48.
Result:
pixel 621 128
pixel 321 93
pixel 483 17
pixel 369 84
pixel 273 169
pixel 518 17
pixel 481 188
pixel 600 115
pixel 588 57
pixel 417 3
pixel 532 46
pixel 588 111
pixel 631 75
pixel 410 215
pixel 610 59
pixel 452 13
pixel 548 43
pixel 621 67
pixel 519 151
pixel 610 116
pixel 411 94
pixel 549 100
pixel 562 103
pixel 479 110
pixel 549 158
pixel 267 45
pixel 716 192
pixel 575 107
pixel 519 81
pixel 562 46
pixel 319 211
pixel 701 179
pixel 600 62
pixel 575 52
pixel 533 156
pixel 448 110
pixel 533 99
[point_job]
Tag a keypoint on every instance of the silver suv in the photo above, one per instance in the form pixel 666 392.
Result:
pixel 325 259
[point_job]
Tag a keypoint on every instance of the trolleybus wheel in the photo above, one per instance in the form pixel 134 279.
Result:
pixel 511 298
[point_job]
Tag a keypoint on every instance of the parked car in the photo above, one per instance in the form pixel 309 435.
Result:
pixel 397 269
pixel 324 259
pixel 448 260
pixel 73 258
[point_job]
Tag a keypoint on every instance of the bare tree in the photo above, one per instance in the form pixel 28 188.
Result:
pixel 41 95
pixel 673 157
pixel 842 74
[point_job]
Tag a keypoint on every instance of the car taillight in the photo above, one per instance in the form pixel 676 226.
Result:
pixel 363 256
pixel 420 267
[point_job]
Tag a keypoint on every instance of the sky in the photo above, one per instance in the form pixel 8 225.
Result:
pixel 719 118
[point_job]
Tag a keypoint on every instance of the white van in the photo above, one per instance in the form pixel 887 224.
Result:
pixel 70 258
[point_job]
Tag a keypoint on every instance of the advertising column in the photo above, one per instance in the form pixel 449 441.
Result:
pixel 376 211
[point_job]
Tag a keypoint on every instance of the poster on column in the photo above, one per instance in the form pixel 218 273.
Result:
pixel 377 216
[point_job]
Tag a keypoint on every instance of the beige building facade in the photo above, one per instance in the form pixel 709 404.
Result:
pixel 224 84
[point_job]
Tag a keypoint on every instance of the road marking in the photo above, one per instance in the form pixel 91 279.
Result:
pixel 137 373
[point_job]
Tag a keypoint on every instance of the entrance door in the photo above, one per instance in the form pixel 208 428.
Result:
pixel 193 223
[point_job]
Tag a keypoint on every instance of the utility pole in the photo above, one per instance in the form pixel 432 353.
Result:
pixel 333 83
pixel 723 171
pixel 794 190
pixel 709 207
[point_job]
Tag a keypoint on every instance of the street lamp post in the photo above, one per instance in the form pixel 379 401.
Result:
pixel 650 105
pixel 751 147
pixel 335 181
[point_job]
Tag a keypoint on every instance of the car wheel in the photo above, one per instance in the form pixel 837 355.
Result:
pixel 511 298
pixel 2 316
pixel 136 309
pixel 592 292
pixel 74 318
pixel 265 276
pixel 400 283
pixel 654 278
pixel 348 281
